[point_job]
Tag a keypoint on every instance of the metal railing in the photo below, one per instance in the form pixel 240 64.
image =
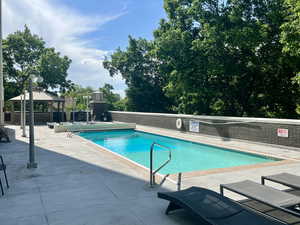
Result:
pixel 153 172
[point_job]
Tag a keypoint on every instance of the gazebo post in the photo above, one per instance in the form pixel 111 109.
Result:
pixel 50 106
pixel 12 113
pixel 63 112
pixel 58 111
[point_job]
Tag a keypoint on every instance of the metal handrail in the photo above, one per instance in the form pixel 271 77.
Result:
pixel 152 173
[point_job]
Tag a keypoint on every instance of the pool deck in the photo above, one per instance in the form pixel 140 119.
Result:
pixel 76 183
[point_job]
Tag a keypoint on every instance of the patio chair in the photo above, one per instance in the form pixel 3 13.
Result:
pixel 211 208
pixel 3 135
pixel 3 167
pixel 270 196
pixel 287 179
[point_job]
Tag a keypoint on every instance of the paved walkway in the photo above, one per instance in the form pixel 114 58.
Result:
pixel 76 184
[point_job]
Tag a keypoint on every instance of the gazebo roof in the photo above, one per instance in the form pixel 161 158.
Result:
pixel 40 96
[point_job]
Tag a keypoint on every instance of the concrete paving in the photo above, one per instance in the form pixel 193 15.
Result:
pixel 78 184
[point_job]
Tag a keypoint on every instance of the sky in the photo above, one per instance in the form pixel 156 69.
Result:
pixel 85 30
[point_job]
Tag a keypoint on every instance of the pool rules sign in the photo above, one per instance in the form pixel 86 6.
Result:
pixel 282 132
pixel 194 126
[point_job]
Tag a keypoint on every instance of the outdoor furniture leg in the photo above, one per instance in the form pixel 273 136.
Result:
pixel 3 167
pixel 1 187
pixel 262 180
pixel 172 206
pixel 6 178
pixel 221 190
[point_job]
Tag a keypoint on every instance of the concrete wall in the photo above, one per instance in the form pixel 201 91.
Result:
pixel 251 129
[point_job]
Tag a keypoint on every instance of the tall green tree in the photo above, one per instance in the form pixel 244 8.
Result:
pixel 24 55
pixel 226 58
pixel 79 94
pixel 216 57
pixel 110 98
pixel 290 35
pixel 53 68
pixel 139 67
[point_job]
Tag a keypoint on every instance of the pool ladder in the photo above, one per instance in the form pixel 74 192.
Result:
pixel 152 171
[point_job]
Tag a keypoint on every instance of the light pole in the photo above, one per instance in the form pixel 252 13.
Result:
pixel 31 163
pixel 24 115
pixel 1 72
pixel 21 115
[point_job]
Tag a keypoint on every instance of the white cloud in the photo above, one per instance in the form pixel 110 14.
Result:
pixel 61 27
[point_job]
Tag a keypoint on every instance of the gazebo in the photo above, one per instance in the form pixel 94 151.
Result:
pixel 52 107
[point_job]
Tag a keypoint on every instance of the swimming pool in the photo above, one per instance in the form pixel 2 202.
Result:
pixel 186 156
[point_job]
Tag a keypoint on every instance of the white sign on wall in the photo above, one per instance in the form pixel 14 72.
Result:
pixel 282 132
pixel 194 126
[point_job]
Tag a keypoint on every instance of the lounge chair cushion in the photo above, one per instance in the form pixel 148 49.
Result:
pixel 287 179
pixel 263 193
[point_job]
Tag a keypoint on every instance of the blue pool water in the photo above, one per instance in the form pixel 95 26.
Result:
pixel 186 156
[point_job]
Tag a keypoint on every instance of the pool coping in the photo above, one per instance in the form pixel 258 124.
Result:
pixel 186 175
pixel 197 173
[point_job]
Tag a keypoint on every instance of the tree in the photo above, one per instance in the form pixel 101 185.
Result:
pixel 139 67
pixel 53 68
pixel 290 35
pixel 226 58
pixel 216 58
pixel 121 105
pixel 24 55
pixel 110 98
pixel 79 93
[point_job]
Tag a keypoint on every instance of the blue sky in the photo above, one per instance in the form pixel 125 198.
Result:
pixel 138 18
pixel 85 30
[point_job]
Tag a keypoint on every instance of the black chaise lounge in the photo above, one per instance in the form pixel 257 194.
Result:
pixel 212 208
pixel 3 135
pixel 3 167
pixel 270 196
pixel 287 179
